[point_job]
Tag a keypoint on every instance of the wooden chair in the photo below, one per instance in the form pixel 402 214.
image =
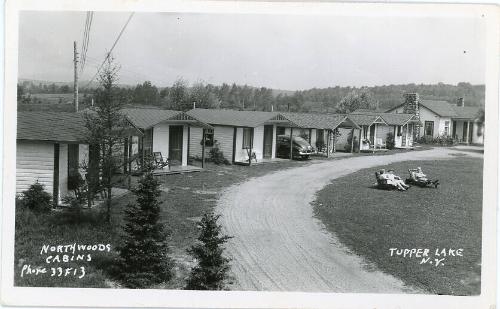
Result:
pixel 159 161
pixel 380 144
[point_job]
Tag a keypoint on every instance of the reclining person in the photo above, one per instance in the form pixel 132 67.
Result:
pixel 418 176
pixel 391 179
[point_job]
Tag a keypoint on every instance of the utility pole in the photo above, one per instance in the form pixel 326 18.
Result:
pixel 75 84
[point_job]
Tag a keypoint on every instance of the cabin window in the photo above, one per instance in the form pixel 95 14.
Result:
pixel 429 128
pixel 399 131
pixel 280 130
pixel 446 128
pixel 209 137
pixel 73 166
pixel 247 137
pixel 73 162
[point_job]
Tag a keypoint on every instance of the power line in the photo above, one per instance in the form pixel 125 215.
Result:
pixel 85 31
pixel 111 50
pixel 86 39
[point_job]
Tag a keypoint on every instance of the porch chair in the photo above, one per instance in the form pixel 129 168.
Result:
pixel 380 144
pixel 160 161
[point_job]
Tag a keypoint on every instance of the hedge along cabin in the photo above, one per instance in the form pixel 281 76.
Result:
pixel 50 148
pixel 323 131
pixel 237 133
pixel 373 131
pixel 165 131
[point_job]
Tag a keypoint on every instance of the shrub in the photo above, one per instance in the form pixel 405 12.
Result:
pixel 36 198
pixel 217 156
pixel 212 271
pixel 442 140
pixel 144 259
pixel 389 141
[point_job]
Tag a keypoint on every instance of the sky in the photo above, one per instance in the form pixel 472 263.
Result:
pixel 289 52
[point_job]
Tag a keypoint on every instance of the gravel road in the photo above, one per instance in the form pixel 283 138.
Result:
pixel 279 246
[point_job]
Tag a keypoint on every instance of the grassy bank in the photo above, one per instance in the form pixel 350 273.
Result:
pixel 185 198
pixel 371 221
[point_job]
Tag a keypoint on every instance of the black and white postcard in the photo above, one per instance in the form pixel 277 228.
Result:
pixel 226 154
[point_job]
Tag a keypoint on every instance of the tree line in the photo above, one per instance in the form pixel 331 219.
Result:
pixel 184 96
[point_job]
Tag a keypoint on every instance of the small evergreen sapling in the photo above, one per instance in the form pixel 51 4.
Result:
pixel 212 271
pixel 144 259
pixel 36 198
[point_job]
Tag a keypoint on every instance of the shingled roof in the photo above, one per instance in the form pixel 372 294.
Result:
pixel 394 119
pixel 442 108
pixel 51 126
pixel 466 112
pixel 366 119
pixel 446 109
pixel 319 121
pixel 145 118
pixel 229 117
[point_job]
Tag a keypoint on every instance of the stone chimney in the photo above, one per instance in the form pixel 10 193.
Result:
pixel 411 104
pixel 460 102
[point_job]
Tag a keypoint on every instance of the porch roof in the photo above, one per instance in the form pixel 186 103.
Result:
pixel 394 119
pixel 229 117
pixel 320 121
pixel 466 112
pixel 145 118
pixel 366 119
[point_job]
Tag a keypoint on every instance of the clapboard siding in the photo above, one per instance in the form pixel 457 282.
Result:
pixel 341 140
pixel 34 161
pixel 224 135
pixel 195 136
pixel 382 131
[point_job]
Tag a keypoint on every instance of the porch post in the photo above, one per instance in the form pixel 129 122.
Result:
pixel 130 154
pixel 328 143
pixel 291 144
pixel 467 134
pixel 251 149
pixel 125 155
pixel 334 139
pixel 352 140
pixel 374 137
pixel 203 149
pixel 360 137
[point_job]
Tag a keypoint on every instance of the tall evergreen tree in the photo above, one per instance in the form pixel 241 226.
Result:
pixel 212 271
pixel 144 259
pixel 105 124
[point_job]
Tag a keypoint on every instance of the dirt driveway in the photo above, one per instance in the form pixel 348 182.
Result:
pixel 279 246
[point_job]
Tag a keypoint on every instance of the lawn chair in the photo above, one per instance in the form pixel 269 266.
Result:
pixel 159 161
pixel 380 144
pixel 420 182
pixel 384 183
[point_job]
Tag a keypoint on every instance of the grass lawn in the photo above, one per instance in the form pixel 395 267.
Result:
pixel 371 221
pixel 186 197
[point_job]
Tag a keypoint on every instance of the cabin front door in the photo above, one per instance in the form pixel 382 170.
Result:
pixel 175 144
pixel 268 141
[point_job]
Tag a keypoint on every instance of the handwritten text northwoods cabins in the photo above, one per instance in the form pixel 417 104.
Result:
pixel 55 255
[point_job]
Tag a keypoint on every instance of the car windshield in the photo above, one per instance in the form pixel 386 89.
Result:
pixel 300 141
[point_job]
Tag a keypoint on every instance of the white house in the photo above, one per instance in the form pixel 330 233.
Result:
pixel 237 133
pixel 442 119
pixel 49 150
